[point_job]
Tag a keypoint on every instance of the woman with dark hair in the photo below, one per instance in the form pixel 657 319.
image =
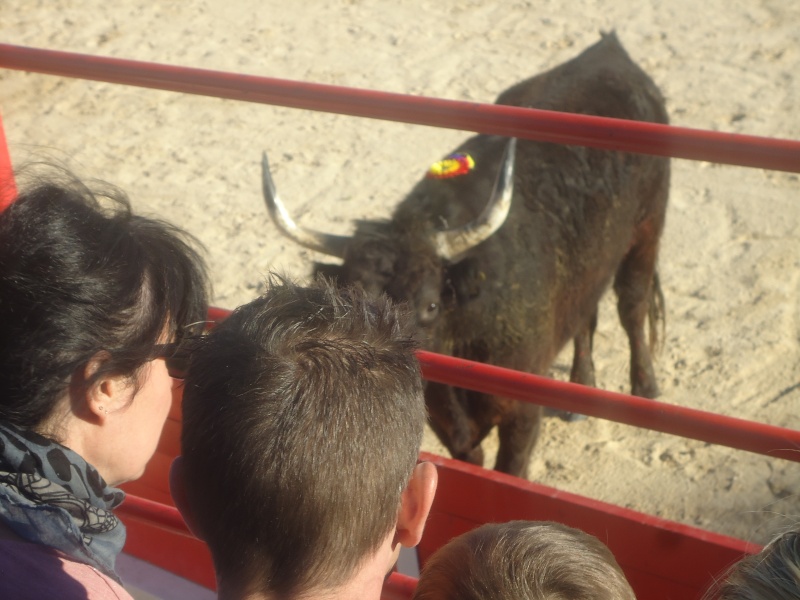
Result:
pixel 94 302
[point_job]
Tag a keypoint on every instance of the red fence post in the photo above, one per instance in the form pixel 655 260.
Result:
pixel 8 189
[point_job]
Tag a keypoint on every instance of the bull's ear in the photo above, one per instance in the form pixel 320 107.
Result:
pixel 331 272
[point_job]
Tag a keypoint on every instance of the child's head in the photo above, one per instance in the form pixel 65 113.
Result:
pixel 523 560
pixel 772 574
pixel 303 417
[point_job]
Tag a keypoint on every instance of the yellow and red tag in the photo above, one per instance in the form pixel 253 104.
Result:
pixel 452 166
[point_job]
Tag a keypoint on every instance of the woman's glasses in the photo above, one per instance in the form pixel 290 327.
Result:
pixel 175 355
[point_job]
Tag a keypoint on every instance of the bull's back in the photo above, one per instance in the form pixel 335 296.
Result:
pixel 601 81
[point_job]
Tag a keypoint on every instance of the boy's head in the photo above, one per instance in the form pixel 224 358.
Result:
pixel 303 415
pixel 523 560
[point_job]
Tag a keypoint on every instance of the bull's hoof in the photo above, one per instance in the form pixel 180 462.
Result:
pixel 646 390
pixel 474 456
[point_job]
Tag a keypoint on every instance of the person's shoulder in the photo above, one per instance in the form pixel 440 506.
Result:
pixel 32 571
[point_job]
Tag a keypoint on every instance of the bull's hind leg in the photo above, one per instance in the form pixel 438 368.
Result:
pixel 518 433
pixel 638 296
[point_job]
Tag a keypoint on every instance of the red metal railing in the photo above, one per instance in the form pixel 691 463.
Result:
pixel 8 188
pixel 760 438
pixel 155 513
pixel 550 126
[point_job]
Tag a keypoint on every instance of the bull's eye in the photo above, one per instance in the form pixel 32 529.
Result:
pixel 429 313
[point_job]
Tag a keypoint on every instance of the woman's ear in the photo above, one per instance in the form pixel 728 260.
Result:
pixel 415 504
pixel 102 396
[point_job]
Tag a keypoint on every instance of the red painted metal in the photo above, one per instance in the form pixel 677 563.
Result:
pixel 156 533
pixel 215 315
pixel 755 437
pixel 661 559
pixel 551 126
pixel 761 438
pixel 8 188
pixel 398 587
pixel 157 514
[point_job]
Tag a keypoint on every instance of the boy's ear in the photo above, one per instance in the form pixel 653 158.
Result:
pixel 177 489
pixel 415 504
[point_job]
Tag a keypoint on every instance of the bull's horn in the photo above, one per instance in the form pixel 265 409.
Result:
pixel 452 243
pixel 333 245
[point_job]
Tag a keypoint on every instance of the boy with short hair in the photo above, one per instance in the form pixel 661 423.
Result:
pixel 523 560
pixel 303 415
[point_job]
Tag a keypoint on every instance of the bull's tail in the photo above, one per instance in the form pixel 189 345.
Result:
pixel 656 314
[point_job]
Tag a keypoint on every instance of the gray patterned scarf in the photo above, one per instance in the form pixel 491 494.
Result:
pixel 51 496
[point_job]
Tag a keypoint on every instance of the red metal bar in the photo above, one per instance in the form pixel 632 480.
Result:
pixel 8 188
pixel 157 534
pixel 550 126
pixel 155 513
pixel 215 315
pixel 760 438
pixel 398 587
pixel 662 559
pixel 755 437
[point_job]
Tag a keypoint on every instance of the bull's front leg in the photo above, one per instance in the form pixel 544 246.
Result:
pixel 451 424
pixel 582 365
pixel 518 433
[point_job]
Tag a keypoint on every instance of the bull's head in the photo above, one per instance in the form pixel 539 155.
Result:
pixel 406 259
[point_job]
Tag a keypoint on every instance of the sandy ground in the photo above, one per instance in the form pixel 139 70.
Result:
pixel 729 262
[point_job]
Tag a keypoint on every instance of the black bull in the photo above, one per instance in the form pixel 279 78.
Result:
pixel 513 291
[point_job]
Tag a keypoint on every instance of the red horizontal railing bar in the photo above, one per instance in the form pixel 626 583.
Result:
pixel 398 587
pixel 760 438
pixel 543 125
pixel 8 188
pixel 155 513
